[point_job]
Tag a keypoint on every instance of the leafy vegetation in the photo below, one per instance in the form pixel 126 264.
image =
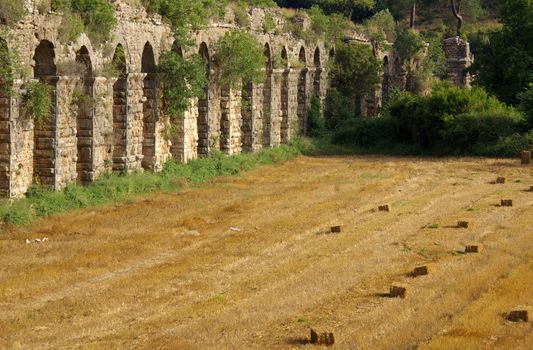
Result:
pixel 113 187
pixel 355 71
pixel 450 120
pixel 95 17
pixel 239 57
pixel 182 79
pixel 504 59
pixel 315 123
pixel 38 102
pixel 11 11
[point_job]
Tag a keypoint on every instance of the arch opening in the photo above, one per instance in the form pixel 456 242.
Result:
pixel 267 98
pixel 284 91
pixel 44 152
pixel 317 81
pixel 385 85
pixel 302 92
pixel 120 110
pixel 150 107
pixel 84 118
pixel 203 107
pixel 247 116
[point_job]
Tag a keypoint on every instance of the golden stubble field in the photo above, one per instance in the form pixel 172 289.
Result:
pixel 245 263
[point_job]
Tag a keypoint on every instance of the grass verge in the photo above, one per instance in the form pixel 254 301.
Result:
pixel 114 187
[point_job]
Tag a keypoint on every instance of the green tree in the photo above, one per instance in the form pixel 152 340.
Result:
pixel 356 71
pixel 345 7
pixel 182 79
pixel 239 57
pixel 504 62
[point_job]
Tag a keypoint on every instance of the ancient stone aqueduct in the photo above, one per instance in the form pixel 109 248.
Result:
pixel 122 128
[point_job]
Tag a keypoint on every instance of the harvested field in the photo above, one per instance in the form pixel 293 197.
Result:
pixel 250 262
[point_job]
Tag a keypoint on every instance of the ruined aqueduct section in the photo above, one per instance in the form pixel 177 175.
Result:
pixel 123 127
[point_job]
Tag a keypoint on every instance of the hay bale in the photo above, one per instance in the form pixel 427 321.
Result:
pixel 500 180
pixel 526 157
pixel 335 229
pixel 325 338
pixel 518 316
pixel 506 203
pixel 531 189
pixel 471 249
pixel 385 207
pixel 398 292
pixel 420 271
pixel 463 224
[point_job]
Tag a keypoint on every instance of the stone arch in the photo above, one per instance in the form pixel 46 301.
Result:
pixel 84 119
pixel 150 107
pixel 5 134
pixel 120 110
pixel 284 91
pixel 302 91
pixel 44 152
pixel 302 58
pixel 317 58
pixel 318 72
pixel 44 58
pixel 332 54
pixel 177 49
pixel 203 106
pixel 267 97
pixel 247 99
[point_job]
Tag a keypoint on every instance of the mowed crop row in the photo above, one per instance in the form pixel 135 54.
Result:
pixel 248 262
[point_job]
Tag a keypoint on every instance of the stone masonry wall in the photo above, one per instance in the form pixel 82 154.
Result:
pixel 458 58
pixel 120 125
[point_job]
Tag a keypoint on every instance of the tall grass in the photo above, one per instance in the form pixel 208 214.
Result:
pixel 114 187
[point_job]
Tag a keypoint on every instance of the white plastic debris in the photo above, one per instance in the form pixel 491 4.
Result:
pixel 235 229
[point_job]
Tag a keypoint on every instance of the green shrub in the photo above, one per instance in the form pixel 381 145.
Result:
pixel 526 104
pixel 428 121
pixel 506 146
pixel 315 122
pixel 6 69
pixel 338 109
pixel 38 102
pixel 71 27
pixel 11 11
pixel 239 57
pixel 114 187
pixel 98 17
pixel 356 71
pixel 463 133
pixel 451 120
pixel 182 80
pixel 365 132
